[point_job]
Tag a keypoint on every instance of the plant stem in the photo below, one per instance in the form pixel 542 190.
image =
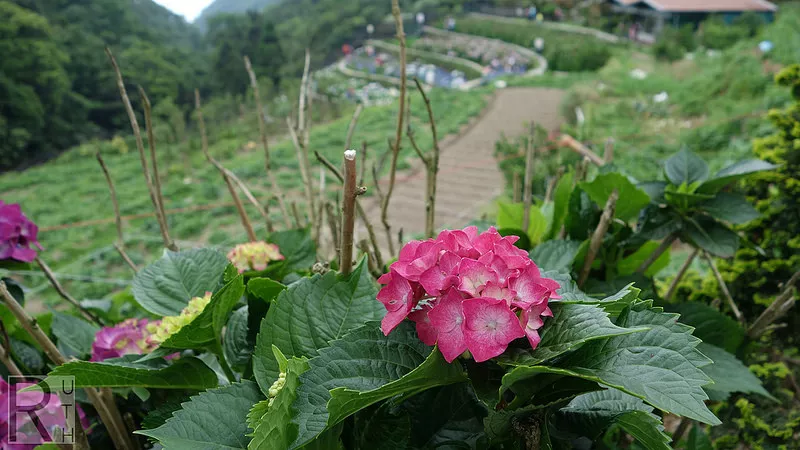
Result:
pixel 5 353
pixel 665 244
pixel 527 194
pixel 724 288
pixel 433 167
pixel 597 236
pixel 120 244
pixel 684 425
pixel 115 429
pixel 226 174
pixel 673 286
pixel 333 224
pixel 352 127
pixel 608 152
pixel 373 238
pixel 551 186
pixel 348 212
pixel 363 163
pixel 776 309
pixel 298 222
pixel 162 221
pixel 516 188
pixel 401 36
pixel 570 142
pixel 581 170
pixel 64 294
pixel 151 142
pixel 262 129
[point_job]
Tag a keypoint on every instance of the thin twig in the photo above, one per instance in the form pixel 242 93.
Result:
pixel 262 129
pixel 352 127
pixel 333 224
pixel 5 353
pixel 304 173
pixel 776 309
pixel 662 247
pixel 151 143
pixel 64 294
pixel 608 152
pixel 581 170
pixel 363 245
pixel 598 235
pixel 684 425
pixel 726 294
pixel 226 175
pixel 551 186
pixel 401 36
pixel 363 163
pixel 298 222
pixel 673 286
pixel 120 438
pixel 433 167
pixel 301 104
pixel 569 141
pixel 348 212
pixel 120 244
pixel 162 221
pixel 527 193
pixel 516 188
pixel 373 238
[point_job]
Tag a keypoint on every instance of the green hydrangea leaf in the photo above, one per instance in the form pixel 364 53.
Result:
pixel 591 414
pixel 185 373
pixel 310 314
pixel 632 198
pixel 213 420
pixel 165 287
pixel 297 247
pixel 729 375
pixel 732 208
pixel 734 172
pixel 710 325
pixel 685 167
pixel 74 332
pixel 238 349
pixel 266 289
pixel 662 365
pixel 555 255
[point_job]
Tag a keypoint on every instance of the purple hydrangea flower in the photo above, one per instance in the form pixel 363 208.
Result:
pixel 126 338
pixel 17 234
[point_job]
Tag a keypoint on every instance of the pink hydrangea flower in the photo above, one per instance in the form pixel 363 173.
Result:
pixel 126 338
pixel 467 291
pixel 18 235
pixel 51 416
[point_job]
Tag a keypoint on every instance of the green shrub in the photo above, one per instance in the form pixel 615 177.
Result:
pixel 719 35
pixel 667 49
pixel 577 56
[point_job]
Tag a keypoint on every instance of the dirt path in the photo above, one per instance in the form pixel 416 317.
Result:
pixel 469 178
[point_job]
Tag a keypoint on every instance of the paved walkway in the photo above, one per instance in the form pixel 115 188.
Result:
pixel 469 178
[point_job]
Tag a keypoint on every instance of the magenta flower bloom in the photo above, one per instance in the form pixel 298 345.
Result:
pixel 467 291
pixel 126 338
pixel 51 416
pixel 17 234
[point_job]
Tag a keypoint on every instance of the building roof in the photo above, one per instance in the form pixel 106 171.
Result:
pixel 704 5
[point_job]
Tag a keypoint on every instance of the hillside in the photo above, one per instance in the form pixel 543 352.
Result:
pixel 231 7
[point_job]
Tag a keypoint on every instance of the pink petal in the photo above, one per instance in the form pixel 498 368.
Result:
pixel 531 321
pixel 497 291
pixel 474 276
pixel 398 298
pixel 427 254
pixel 489 326
pixel 485 241
pixel 471 231
pixel 514 257
pixel 409 251
pixel 385 278
pixel 498 265
pixel 440 277
pixel 530 287
pixel 448 318
pixel 457 241
pixel 425 330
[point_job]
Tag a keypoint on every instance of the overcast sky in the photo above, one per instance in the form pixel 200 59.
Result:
pixel 189 9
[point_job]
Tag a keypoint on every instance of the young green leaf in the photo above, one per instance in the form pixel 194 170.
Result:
pixel 733 208
pixel 555 255
pixel 571 326
pixel 185 373
pixel 729 375
pixel 661 365
pixel 733 173
pixel 364 368
pixel 685 167
pixel 165 287
pixel 266 289
pixel 205 330
pixel 214 420
pixel 509 215
pixel 591 414
pixel 632 199
pixel 274 428
pixel 310 314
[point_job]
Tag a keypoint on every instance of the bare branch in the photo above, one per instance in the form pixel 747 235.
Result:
pixel 776 309
pixel 348 212
pixel 262 128
pixel 432 166
pixel 162 221
pixel 726 294
pixel 597 236
pixel 5 353
pixel 608 153
pixel 333 224
pixel 527 193
pixel 64 294
pixel 151 142
pixel 665 244
pixel 673 286
pixel 298 222
pixel 120 244
pixel 570 142
pixel 352 127
pixel 363 163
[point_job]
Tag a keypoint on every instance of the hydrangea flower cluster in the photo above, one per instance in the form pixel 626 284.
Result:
pixel 169 325
pixel 17 234
pixel 131 337
pixel 51 416
pixel 254 256
pixel 467 291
